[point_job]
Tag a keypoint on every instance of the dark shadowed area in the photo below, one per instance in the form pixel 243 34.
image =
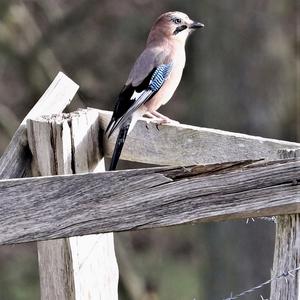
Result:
pixel 241 75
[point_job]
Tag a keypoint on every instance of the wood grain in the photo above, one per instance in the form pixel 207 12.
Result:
pixel 59 94
pixel 286 257
pixel 49 143
pixel 94 260
pixel 63 206
pixel 181 144
pixel 55 260
pixel 287 251
pixel 86 268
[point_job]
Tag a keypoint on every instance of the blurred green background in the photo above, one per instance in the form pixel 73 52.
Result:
pixel 241 75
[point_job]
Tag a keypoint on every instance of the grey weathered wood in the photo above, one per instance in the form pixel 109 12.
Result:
pixel 63 206
pixel 287 251
pixel 94 261
pixel 58 95
pixel 286 257
pixel 180 144
pixel 56 280
pixel 49 143
pixel 79 267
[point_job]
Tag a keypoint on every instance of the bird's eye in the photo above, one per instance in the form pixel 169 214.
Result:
pixel 177 20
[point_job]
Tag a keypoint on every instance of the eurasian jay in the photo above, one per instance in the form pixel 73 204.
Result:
pixel 153 78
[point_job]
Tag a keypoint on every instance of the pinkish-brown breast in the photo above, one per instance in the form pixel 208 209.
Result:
pixel 170 85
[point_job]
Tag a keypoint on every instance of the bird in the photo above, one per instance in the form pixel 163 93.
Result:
pixel 153 78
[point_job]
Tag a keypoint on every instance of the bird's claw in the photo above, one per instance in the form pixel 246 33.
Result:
pixel 158 119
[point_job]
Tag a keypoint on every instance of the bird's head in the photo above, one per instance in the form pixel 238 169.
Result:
pixel 174 25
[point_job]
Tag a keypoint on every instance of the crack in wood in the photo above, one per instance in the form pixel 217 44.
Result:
pixel 206 170
pixel 72 158
pixel 53 145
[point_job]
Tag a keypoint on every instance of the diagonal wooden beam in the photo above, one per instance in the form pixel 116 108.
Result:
pixel 62 206
pixel 17 155
pixel 181 144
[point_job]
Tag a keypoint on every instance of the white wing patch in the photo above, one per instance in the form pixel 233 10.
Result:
pixel 136 95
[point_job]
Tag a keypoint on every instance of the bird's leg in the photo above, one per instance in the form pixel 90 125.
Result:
pixel 153 118
pixel 148 115
pixel 159 118
pixel 164 119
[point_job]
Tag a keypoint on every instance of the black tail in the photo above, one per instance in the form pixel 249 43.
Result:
pixel 119 146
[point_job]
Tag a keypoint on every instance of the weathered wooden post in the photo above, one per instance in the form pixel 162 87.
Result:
pixel 79 267
pixel 287 250
pixel 14 161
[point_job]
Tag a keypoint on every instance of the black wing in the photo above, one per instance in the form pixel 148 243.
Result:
pixel 125 102
pixel 131 98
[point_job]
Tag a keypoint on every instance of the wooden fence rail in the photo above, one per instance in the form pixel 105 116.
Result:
pixel 181 144
pixel 62 206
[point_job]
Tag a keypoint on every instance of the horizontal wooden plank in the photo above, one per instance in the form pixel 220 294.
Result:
pixel 181 144
pixel 62 206
pixel 17 155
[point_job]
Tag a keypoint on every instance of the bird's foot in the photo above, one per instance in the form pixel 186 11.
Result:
pixel 147 124
pixel 164 118
pixel 159 118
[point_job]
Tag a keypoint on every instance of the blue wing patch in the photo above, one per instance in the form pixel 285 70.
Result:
pixel 159 76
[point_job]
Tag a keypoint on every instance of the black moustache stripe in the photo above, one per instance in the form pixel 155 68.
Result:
pixel 179 28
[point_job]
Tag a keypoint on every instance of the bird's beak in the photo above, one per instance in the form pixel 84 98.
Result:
pixel 196 25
